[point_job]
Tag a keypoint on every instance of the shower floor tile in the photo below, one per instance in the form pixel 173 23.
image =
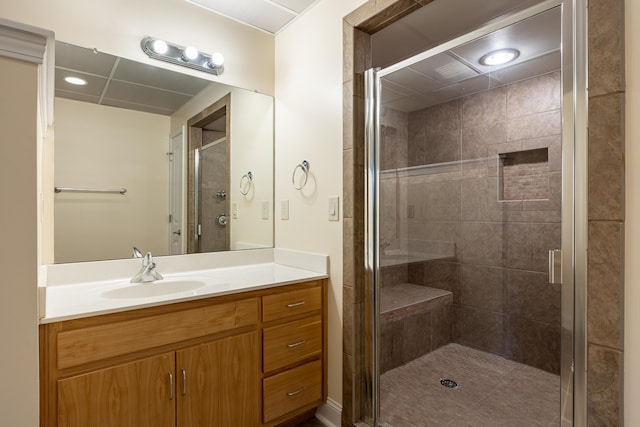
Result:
pixel 492 392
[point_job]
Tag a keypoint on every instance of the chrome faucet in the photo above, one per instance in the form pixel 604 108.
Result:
pixel 148 271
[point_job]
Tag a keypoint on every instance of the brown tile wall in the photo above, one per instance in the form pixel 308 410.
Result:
pixel 214 173
pixel 606 207
pixel 605 298
pixel 503 303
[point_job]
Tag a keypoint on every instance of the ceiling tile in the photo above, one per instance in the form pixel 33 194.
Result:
pixel 148 75
pixel 137 107
pixel 258 13
pixel 413 80
pixel 77 96
pixel 535 67
pixel 82 59
pixel 391 92
pixel 432 25
pixel 94 86
pixel 296 5
pixel 129 92
pixel 444 68
pixel 533 37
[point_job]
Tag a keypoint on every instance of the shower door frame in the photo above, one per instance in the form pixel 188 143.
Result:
pixel 573 400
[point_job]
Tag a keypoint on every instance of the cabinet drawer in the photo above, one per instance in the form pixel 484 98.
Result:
pixel 292 389
pixel 286 304
pixel 90 344
pixel 292 342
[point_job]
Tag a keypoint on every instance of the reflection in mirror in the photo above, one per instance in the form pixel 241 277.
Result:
pixel 139 127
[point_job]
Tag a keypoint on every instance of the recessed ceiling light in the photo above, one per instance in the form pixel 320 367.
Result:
pixel 75 81
pixel 499 57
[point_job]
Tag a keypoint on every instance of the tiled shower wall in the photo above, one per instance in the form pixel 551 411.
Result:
pixel 214 165
pixel 604 395
pixel 499 275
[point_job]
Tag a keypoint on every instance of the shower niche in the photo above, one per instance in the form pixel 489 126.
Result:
pixel 524 175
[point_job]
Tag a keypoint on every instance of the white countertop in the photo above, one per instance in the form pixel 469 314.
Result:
pixel 77 300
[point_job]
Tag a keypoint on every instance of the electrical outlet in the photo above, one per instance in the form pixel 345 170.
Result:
pixel 334 208
pixel 265 209
pixel 284 210
pixel 234 210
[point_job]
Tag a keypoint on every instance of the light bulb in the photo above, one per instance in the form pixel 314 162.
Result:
pixel 160 47
pixel 499 57
pixel 190 53
pixel 216 60
pixel 75 81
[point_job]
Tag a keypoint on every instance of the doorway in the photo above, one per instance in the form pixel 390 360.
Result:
pixel 209 142
pixel 469 205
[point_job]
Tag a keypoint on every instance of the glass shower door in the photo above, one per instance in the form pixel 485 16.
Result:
pixel 211 197
pixel 465 203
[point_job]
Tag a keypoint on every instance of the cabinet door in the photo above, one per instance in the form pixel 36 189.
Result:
pixel 136 394
pixel 219 383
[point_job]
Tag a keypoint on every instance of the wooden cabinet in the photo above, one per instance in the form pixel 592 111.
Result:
pixel 245 360
pixel 293 339
pixel 217 383
pixel 136 394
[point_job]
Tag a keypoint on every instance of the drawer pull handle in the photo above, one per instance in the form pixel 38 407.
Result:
pixel 295 304
pixel 295 344
pixel 170 386
pixel 298 391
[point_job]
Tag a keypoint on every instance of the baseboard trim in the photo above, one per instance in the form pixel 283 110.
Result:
pixel 330 413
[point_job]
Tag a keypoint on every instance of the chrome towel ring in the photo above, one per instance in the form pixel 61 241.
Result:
pixel 304 167
pixel 246 179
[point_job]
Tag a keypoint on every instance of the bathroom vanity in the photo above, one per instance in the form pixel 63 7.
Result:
pixel 250 356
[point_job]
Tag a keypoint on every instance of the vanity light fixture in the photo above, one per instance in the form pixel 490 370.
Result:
pixel 186 56
pixel 160 47
pixel 75 80
pixel 499 57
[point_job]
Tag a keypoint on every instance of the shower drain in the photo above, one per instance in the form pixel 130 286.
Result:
pixel 449 383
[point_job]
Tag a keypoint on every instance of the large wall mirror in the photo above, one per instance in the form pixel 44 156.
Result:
pixel 158 160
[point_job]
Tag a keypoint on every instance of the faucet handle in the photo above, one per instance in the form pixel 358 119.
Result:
pixel 147 260
pixel 136 253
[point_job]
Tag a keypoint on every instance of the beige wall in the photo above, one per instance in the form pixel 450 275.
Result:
pixel 102 147
pixel 18 254
pixel 632 235
pixel 117 26
pixel 251 150
pixel 309 127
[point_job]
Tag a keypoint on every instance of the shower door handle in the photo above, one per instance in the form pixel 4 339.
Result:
pixel 555 266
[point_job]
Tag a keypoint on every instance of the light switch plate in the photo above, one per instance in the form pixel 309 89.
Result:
pixel 234 210
pixel 334 208
pixel 265 209
pixel 284 209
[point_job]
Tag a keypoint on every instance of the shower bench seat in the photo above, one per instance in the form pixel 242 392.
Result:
pixel 414 320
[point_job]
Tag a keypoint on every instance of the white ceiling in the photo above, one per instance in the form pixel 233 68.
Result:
pixel 267 15
pixel 122 83
pixel 457 72
pixel 449 75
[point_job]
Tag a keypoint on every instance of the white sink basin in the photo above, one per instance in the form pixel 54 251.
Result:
pixel 154 289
